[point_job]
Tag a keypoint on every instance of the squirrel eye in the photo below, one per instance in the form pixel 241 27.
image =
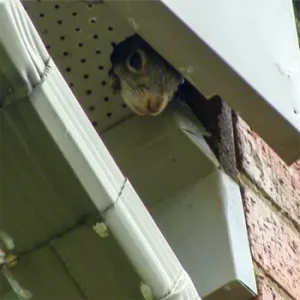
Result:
pixel 135 61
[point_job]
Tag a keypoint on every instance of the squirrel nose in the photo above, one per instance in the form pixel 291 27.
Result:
pixel 154 104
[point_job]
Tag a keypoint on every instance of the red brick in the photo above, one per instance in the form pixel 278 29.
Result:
pixel 287 187
pixel 269 291
pixel 296 169
pixel 254 157
pixel 280 182
pixel 275 245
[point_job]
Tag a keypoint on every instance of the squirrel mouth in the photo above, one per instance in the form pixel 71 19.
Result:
pixel 152 106
pixel 149 107
pixel 148 110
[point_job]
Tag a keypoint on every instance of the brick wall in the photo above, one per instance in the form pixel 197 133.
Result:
pixel 271 194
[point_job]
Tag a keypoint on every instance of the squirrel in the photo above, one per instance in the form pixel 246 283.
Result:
pixel 144 79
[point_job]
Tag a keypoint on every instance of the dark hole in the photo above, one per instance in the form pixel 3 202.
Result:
pixel 95 124
pixel 108 115
pixel 62 38
pixel 92 108
pixel 88 92
pixel 71 84
pixel 42 15
pixel 90 5
pixel 77 29
pixel 86 76
pixel 59 22
pixel 295 111
pixel 98 51
pixel 80 45
pixel 103 83
pixel 100 68
pixel 48 46
pixel 124 105
pixel 106 99
pixel 83 60
pixel 95 36
pixel 65 53
pixel 74 14
pixel 93 20
pixel 110 28
pixel 68 69
pixel 56 6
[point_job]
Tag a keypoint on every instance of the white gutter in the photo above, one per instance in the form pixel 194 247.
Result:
pixel 112 194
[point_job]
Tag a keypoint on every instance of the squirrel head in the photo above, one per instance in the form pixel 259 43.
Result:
pixel 145 80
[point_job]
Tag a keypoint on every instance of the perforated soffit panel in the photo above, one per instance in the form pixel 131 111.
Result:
pixel 79 38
